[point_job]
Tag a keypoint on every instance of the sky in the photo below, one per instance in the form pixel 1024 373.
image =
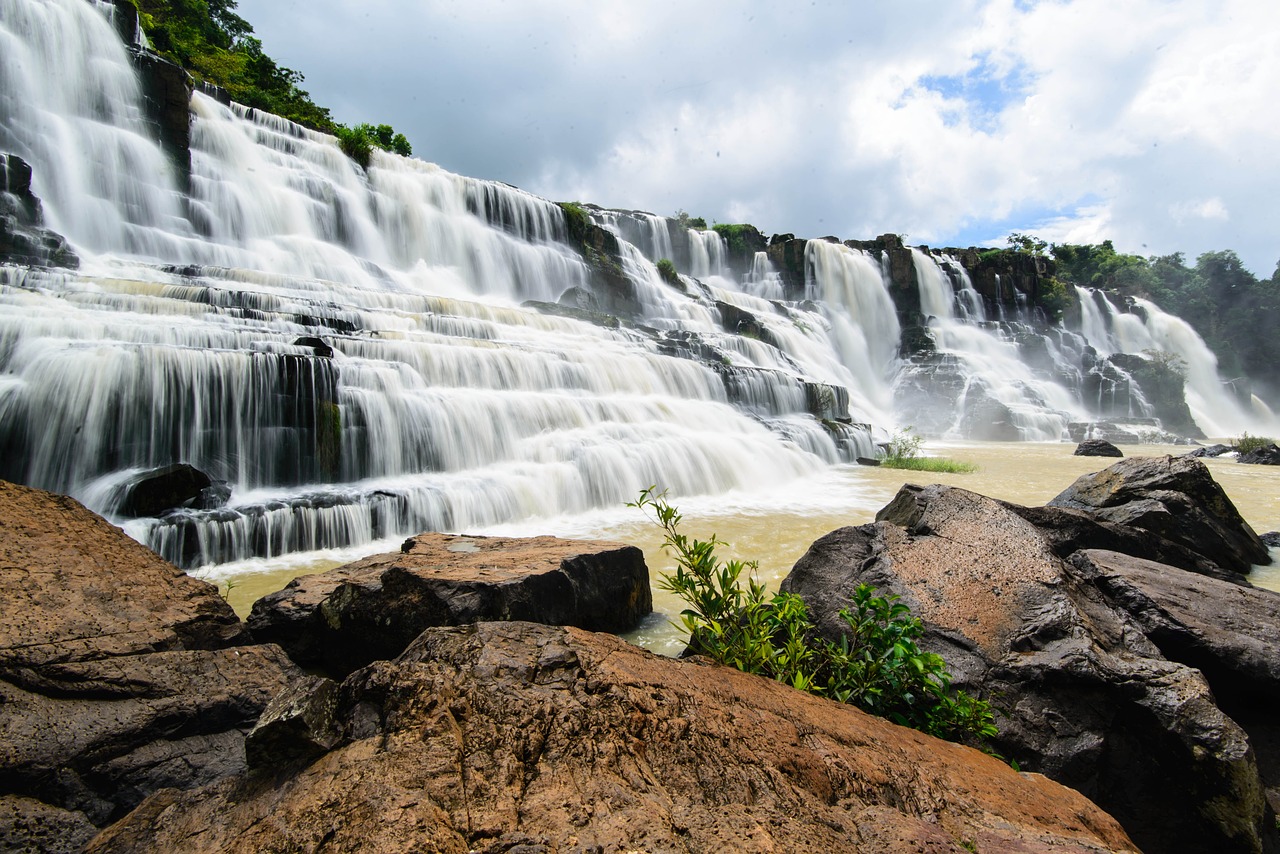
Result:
pixel 1152 123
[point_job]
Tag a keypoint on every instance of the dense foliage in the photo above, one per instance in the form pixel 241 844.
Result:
pixel 1234 311
pixel 876 666
pixel 737 237
pixel 214 44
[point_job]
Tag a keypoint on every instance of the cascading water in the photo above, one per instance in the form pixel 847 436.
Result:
pixel 1155 334
pixel 346 349
pixel 351 351
pixel 998 387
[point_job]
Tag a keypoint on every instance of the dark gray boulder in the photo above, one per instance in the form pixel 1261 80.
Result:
pixel 1209 451
pixel 1265 456
pixel 168 488
pixel 1081 694
pixel 372 609
pixel 1175 497
pixel 1097 448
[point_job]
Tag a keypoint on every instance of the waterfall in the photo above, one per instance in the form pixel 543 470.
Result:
pixel 999 383
pixel 358 354
pixel 1152 332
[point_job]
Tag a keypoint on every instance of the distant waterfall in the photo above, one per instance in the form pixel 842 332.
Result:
pixel 993 366
pixel 1152 332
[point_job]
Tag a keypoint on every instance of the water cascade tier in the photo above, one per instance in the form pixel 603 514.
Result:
pixel 349 354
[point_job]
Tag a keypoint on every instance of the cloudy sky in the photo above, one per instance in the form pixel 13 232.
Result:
pixel 1155 123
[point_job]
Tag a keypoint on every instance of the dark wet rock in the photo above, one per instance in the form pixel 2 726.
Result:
pixel 1081 694
pixel 372 609
pixel 1067 531
pixel 515 737
pixel 23 237
pixel 298 726
pixel 1163 384
pixel 1271 539
pixel 119 674
pixel 1097 448
pixel 213 496
pixel 1209 451
pixel 868 461
pixel 318 345
pixel 1266 456
pixel 154 492
pixel 1175 497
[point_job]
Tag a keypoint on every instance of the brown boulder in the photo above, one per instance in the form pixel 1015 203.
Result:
pixel 1081 694
pixel 372 609
pixel 1175 497
pixel 119 674
pixel 504 737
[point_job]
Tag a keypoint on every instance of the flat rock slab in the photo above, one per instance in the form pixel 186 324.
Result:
pixel 516 737
pixel 372 609
pixel 119 674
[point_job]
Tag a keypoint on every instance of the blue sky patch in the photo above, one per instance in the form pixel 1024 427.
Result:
pixel 985 89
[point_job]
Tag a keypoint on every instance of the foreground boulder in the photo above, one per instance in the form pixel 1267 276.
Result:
pixel 1081 694
pixel 372 609
pixel 119 674
pixel 506 737
pixel 1175 497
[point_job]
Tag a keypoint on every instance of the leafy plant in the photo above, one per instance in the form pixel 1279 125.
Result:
pixel 1247 444
pixel 737 237
pixel 667 269
pixel 358 142
pixel 683 219
pixel 876 665
pixel 903 452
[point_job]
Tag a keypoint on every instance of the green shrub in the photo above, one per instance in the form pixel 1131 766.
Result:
pixel 358 141
pixel 737 237
pixel 667 269
pixel 1054 297
pixel 903 452
pixel 876 666
pixel 1247 444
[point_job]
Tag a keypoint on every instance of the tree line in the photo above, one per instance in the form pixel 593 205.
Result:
pixel 1233 310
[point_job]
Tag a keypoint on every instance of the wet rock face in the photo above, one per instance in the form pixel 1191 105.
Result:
pixel 119 674
pixel 1097 448
pixel 1175 497
pixel 374 608
pixel 521 737
pixel 1082 693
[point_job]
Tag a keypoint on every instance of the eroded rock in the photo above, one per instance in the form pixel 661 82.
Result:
pixel 1175 497
pixel 1097 448
pixel 521 737
pixel 119 674
pixel 1081 693
pixel 372 609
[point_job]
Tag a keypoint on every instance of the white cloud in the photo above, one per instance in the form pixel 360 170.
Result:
pixel 1145 122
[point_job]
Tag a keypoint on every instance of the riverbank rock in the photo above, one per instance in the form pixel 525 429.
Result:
pixel 1097 448
pixel 1081 694
pixel 372 609
pixel 1175 497
pixel 119 674
pixel 515 737
pixel 1268 455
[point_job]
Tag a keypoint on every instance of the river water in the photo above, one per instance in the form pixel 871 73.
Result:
pixel 775 529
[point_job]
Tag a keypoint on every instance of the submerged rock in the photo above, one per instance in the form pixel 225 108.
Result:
pixel 1081 694
pixel 1097 448
pixel 505 737
pixel 119 674
pixel 372 609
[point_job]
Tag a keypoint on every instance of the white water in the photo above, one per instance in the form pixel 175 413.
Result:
pixel 1152 332
pixel 1040 407
pixel 447 404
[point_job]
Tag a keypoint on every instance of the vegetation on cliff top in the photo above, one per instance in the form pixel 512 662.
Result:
pixel 214 44
pixel 876 666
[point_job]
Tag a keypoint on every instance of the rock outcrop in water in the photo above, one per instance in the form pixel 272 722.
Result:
pixel 504 737
pixel 1144 686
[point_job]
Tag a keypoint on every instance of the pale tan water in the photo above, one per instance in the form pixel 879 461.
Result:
pixel 781 530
